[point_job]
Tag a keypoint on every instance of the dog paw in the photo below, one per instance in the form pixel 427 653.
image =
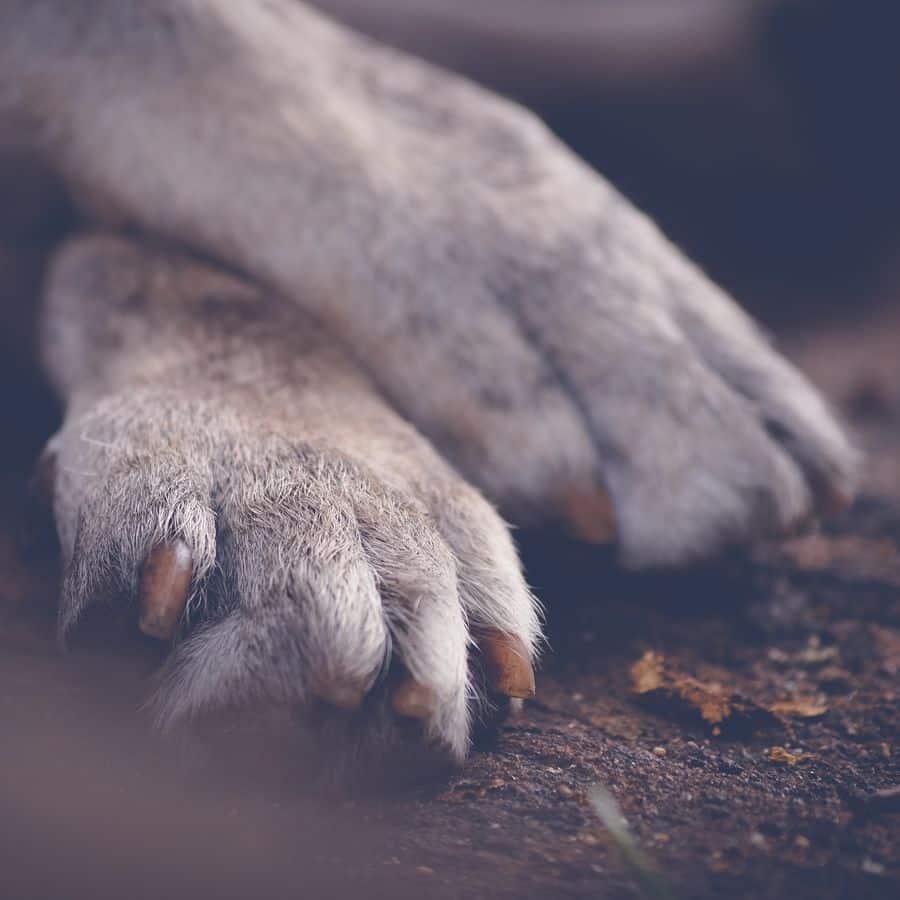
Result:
pixel 225 481
pixel 507 300
pixel 562 353
pixel 567 358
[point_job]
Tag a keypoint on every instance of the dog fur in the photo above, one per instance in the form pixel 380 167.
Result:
pixel 422 263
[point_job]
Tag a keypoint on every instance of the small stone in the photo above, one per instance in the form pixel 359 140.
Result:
pixel 425 870
pixel 565 791
pixel 815 654
pixel 659 751
pixel 759 841
pixel 870 867
pixel 801 842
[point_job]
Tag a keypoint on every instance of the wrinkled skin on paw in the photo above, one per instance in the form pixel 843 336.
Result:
pixel 224 478
pixel 537 328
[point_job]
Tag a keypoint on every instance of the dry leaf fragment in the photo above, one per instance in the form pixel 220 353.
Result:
pixel 783 757
pixel 656 681
pixel 800 707
pixel 647 673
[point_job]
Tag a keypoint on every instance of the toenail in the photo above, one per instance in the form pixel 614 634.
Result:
pixel 589 515
pixel 834 501
pixel 345 696
pixel 165 587
pixel 507 664
pixel 413 700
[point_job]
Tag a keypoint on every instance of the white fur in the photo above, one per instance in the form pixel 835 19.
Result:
pixel 327 535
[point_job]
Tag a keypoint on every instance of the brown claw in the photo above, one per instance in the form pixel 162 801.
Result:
pixel 347 697
pixel 834 502
pixel 413 700
pixel 589 514
pixel 507 664
pixel 165 587
pixel 831 502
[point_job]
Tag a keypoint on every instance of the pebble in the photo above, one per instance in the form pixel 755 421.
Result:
pixel 883 800
pixel 870 867
pixel 659 751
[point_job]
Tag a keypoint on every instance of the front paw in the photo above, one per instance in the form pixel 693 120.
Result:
pixel 296 579
pixel 309 555
pixel 574 365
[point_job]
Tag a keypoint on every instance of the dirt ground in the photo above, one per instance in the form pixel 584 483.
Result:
pixel 762 760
